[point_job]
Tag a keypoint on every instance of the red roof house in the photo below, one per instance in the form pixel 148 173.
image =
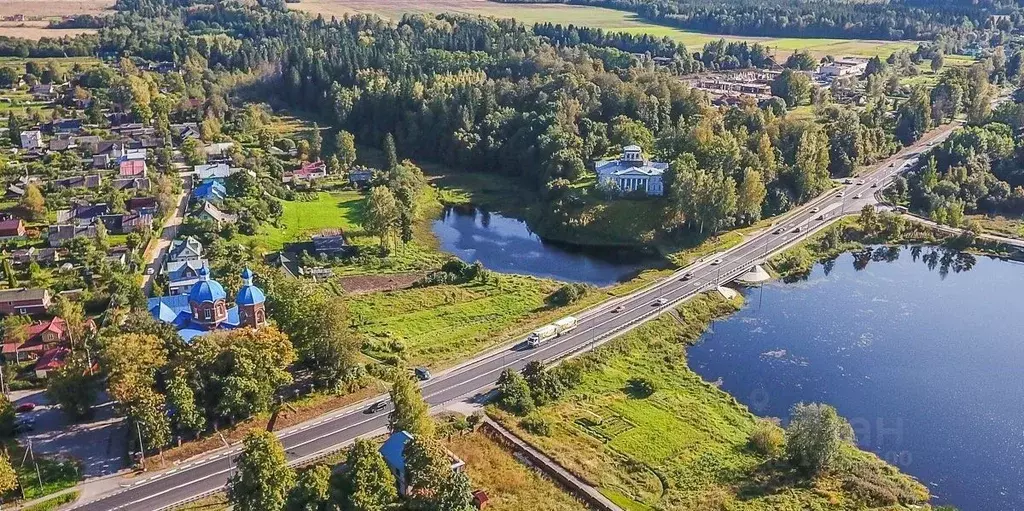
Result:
pixel 13 228
pixel 51 360
pixel 133 168
pixel 309 171
pixel 41 337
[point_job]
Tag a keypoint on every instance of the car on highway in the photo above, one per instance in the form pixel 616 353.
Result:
pixel 815 210
pixel 25 407
pixel 659 302
pixel 822 216
pixel 860 182
pixel 797 229
pixel 847 181
pixel 780 230
pixel 839 195
pixel 376 407
pixel 891 165
pixel 686 276
pixel 422 373
pixel 150 271
pixel 716 262
pixel 618 309
pixel 857 196
pixel 874 185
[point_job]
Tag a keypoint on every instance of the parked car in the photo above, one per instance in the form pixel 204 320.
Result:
pixel 25 407
pixel 422 373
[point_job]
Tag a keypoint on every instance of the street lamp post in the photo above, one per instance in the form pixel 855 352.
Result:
pixel 142 448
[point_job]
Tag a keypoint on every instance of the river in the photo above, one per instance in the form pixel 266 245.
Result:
pixel 507 245
pixel 921 349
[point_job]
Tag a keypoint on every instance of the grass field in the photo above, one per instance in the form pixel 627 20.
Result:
pixel 685 446
pixel 39 12
pixel 608 19
pixel 510 485
pixel 447 323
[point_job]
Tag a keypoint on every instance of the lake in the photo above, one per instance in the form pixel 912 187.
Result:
pixel 920 348
pixel 507 245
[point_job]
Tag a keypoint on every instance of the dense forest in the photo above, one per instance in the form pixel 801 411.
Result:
pixel 906 19
pixel 539 104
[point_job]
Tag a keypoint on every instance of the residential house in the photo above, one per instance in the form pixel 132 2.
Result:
pixel 393 452
pixel 132 168
pixel 210 191
pixel 127 222
pixel 51 360
pixel 211 212
pixel 131 183
pixel 186 130
pixel 182 275
pixel 218 150
pixel 142 205
pixel 87 142
pixel 14 192
pixel 309 171
pixel 88 181
pixel 631 172
pixel 63 126
pixel 43 92
pixel 82 214
pixel 59 234
pixel 330 242
pixel 188 249
pixel 43 256
pixel 100 161
pixel 38 338
pixel 360 177
pixel 218 171
pixel 12 229
pixel 62 143
pixel 117 255
pixel 24 300
pixel 133 154
pixel 32 139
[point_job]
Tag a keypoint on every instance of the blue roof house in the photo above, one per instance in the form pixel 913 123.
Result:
pixel 210 191
pixel 393 452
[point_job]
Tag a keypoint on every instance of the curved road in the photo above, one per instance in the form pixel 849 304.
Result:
pixel 599 324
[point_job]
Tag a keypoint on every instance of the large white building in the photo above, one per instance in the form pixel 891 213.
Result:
pixel 845 66
pixel 631 172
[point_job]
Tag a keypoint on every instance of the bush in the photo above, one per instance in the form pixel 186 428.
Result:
pixel 768 439
pixel 568 294
pixel 455 271
pixel 641 387
pixel 537 425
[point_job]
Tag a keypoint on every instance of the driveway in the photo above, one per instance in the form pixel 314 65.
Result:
pixel 99 444
pixel 158 247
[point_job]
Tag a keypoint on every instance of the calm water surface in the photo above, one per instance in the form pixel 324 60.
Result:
pixel 922 350
pixel 507 245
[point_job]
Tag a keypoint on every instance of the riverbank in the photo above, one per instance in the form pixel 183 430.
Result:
pixel 686 446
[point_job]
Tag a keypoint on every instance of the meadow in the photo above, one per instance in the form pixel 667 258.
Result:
pixel 686 445
pixel 37 14
pixel 597 17
pixel 510 485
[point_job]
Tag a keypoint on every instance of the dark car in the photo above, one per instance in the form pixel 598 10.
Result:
pixel 25 407
pixel 618 308
pixel 422 373
pixel 376 407
pixel 686 277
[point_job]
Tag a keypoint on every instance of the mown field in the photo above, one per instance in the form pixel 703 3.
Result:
pixel 597 17
pixel 39 12
pixel 686 445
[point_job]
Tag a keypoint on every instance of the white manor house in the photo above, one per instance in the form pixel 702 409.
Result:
pixel 632 172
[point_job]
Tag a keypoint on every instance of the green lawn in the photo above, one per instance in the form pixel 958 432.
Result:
pixel 685 446
pixel 447 323
pixel 300 220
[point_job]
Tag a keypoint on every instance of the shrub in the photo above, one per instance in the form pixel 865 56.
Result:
pixel 768 439
pixel 814 436
pixel 535 424
pixel 641 387
pixel 568 294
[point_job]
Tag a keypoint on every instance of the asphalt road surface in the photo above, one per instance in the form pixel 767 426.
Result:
pixel 601 323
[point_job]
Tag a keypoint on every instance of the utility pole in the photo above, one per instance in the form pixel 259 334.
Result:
pixel 142 448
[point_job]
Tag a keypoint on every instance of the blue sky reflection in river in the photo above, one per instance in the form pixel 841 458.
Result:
pixel 924 355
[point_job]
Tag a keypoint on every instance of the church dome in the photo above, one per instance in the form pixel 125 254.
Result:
pixel 249 294
pixel 207 289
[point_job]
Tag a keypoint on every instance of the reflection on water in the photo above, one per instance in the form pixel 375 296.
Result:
pixel 507 245
pixel 919 347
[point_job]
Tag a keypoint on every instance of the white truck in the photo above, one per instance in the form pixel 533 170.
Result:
pixel 538 336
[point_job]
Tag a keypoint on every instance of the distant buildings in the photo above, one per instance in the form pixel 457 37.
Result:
pixel 631 172
pixel 309 171
pixel 31 139
pixel 845 66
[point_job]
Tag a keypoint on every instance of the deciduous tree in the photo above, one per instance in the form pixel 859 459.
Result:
pixel 814 436
pixel 262 477
pixel 410 410
pixel 366 484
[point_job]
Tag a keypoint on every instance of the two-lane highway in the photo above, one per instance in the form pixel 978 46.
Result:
pixel 596 325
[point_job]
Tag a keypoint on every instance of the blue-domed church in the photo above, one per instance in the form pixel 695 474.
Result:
pixel 205 308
